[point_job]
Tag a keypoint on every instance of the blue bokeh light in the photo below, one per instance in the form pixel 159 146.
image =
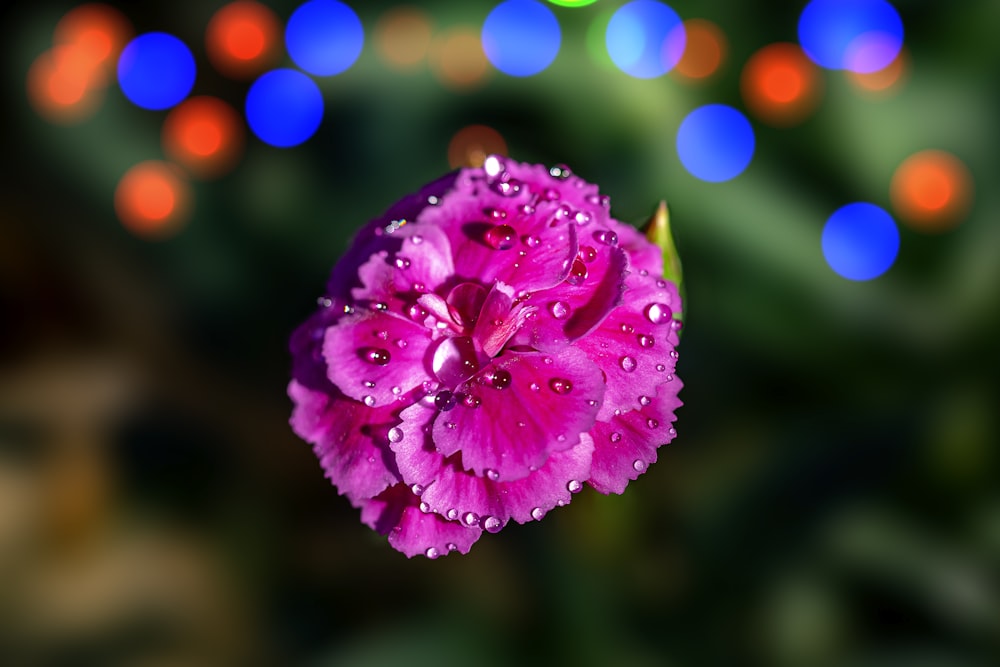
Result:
pixel 324 37
pixel 521 37
pixel 645 38
pixel 284 107
pixel 715 143
pixel 860 241
pixel 156 71
pixel 858 35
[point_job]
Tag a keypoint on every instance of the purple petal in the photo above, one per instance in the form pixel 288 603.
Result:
pixel 642 255
pixel 420 263
pixel 501 317
pixel 349 439
pixel 376 357
pixel 460 495
pixel 625 446
pixel 396 513
pixel 545 403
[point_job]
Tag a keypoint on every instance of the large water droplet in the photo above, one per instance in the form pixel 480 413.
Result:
pixel 452 514
pixel 628 364
pixel 470 519
pixel 574 486
pixel 646 340
pixel 606 236
pixel 492 524
pixel 492 475
pixel 432 552
pixel 638 465
pixel 559 310
pixel 417 489
pixel 560 385
pixel 658 313
pixel 416 312
pixel 587 254
pixel 396 435
pixel 578 273
pixel 369 401
pixel 500 379
pixel 500 237
pixel 537 513
pixel 445 400
pixel 377 356
pixel 424 507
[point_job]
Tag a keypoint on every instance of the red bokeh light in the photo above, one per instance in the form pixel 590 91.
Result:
pixel 152 199
pixel 403 37
pixel 98 31
pixel 780 85
pixel 242 39
pixel 470 146
pixel 931 190
pixel 704 50
pixel 64 86
pixel 205 135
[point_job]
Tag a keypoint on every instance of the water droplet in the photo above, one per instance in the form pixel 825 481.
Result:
pixel 521 424
pixel 377 356
pixel 417 312
pixel 658 313
pixel 615 437
pixel 661 368
pixel 417 239
pixel 670 378
pixel 432 552
pixel 450 425
pixel 578 273
pixel 606 236
pixel 550 194
pixel 445 400
pixel 500 237
pixel 369 401
pixel 582 218
pixel 424 507
pixel 588 254
pixel 492 475
pixel 547 360
pixel 452 514
pixel 591 402
pixel 574 486
pixel 673 354
pixel 672 432
pixel 559 309
pixel 417 489
pixel 492 524
pixel 645 400
pixel 324 302
pixel 348 310
pixel 661 283
pixel 534 386
pixel 500 379
pixel 652 423
pixel 470 519
pixel 537 513
pixel 564 212
pixel 628 364
pixel 526 209
pixel 402 263
pixel 676 325
pixel 646 340
pixel 471 401
pixel 561 385
pixel 508 188
pixel 380 306
pixel 638 465
pixel 492 165
pixel 396 435
pixel 494 213
pixel 369 384
pixel 560 171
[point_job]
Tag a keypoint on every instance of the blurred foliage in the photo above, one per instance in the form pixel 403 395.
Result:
pixel 832 498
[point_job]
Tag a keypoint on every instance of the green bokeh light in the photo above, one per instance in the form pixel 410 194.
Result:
pixel 572 3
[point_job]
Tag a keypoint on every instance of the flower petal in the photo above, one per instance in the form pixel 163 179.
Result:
pixel 642 255
pixel 396 513
pixel 349 439
pixel 545 403
pixel 463 496
pixel 376 357
pixel 625 446
pixel 418 262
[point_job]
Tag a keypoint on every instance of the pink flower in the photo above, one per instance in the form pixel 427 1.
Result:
pixel 486 348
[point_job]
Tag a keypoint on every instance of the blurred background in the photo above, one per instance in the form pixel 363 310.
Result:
pixel 179 177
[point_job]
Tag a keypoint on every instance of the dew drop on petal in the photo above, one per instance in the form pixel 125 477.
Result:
pixel 492 524
pixel 417 489
pixel 424 507
pixel 627 363
pixel 471 401
pixel 652 423
pixel 606 236
pixel 417 312
pixel 451 425
pixel 380 306
pixel 500 379
pixel 417 239
pixel 534 386
pixel 369 384
pixel 588 254
pixel 627 328
pixel 492 165
pixel 646 340
pixel 672 432
pixel 377 356
pixel 530 241
pixel 615 437
pixel 492 475
pixel 402 263
pixel 578 273
pixel 550 194
pixel 560 385
pixel 537 513
pixel 470 519
pixel 658 313
pixel 574 486
pixel 638 465
pixel 396 435
pixel 559 310
pixel 582 218
pixel 324 302
pixel 452 514
pixel 644 400
pixel 432 552
pixel 673 354
pixel 661 368
pixel 445 400
pixel 368 400
pixel 500 237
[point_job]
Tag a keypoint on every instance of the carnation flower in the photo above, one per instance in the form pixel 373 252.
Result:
pixel 485 349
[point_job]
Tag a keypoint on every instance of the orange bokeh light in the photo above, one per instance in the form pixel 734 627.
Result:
pixel 205 135
pixel 98 31
pixel 470 146
pixel 931 190
pixel 64 86
pixel 152 199
pixel 403 37
pixel 458 60
pixel 704 50
pixel 886 80
pixel 242 39
pixel 780 85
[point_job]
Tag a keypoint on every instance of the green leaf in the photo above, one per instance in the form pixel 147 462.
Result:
pixel 657 230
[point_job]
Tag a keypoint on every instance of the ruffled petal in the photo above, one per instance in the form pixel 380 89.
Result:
pixel 525 406
pixel 349 439
pixel 396 513
pixel 418 263
pixel 642 255
pixel 376 357
pixel 625 446
pixel 462 496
